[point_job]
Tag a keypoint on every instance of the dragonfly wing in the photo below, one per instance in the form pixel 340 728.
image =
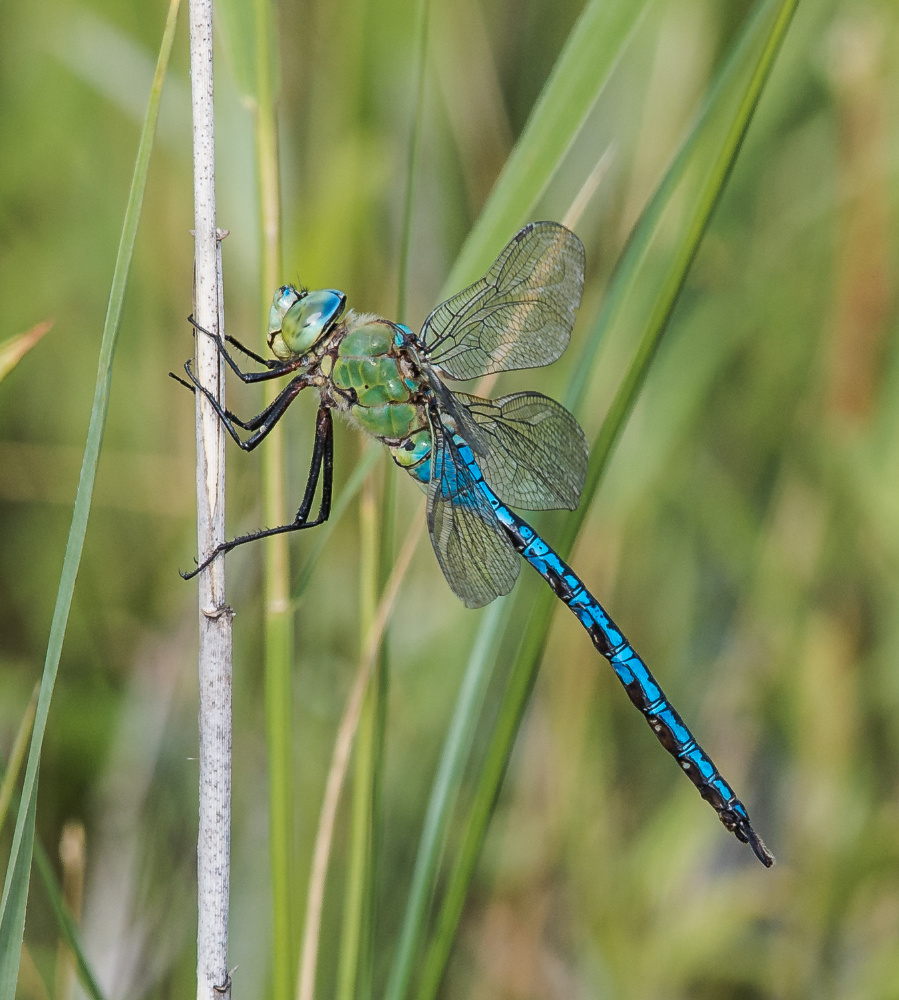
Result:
pixel 519 315
pixel 471 546
pixel 533 452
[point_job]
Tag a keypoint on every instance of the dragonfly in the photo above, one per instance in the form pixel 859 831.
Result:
pixel 475 458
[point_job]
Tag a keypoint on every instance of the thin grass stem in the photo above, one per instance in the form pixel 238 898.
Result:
pixel 337 772
pixel 277 613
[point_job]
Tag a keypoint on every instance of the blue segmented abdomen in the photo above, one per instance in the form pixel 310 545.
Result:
pixel 642 688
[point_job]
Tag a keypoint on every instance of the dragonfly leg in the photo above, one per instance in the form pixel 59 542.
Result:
pixel 265 362
pixel 263 422
pixel 228 413
pixel 275 369
pixel 321 466
pixel 322 461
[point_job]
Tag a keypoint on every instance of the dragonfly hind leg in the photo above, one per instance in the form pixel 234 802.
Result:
pixel 229 415
pixel 322 466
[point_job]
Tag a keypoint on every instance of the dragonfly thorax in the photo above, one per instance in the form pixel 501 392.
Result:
pixel 375 381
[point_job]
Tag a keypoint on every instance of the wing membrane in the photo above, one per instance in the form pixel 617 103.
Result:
pixel 474 552
pixel 532 451
pixel 519 315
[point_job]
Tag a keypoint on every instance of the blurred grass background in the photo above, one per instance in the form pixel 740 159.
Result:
pixel 746 536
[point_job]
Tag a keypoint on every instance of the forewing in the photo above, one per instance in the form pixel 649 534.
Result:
pixel 474 552
pixel 519 315
pixel 533 451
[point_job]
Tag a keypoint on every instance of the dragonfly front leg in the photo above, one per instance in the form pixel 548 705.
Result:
pixel 321 466
pixel 276 369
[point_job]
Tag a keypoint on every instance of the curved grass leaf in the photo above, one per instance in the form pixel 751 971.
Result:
pixel 17 756
pixel 581 71
pixel 68 929
pixel 447 782
pixel 15 889
pixel 739 88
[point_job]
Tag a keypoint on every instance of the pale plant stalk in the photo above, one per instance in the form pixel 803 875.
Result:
pixel 214 837
pixel 340 759
pixel 358 877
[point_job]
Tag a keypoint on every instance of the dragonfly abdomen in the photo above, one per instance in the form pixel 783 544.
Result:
pixel 636 678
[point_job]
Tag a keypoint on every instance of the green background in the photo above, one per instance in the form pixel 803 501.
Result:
pixel 746 536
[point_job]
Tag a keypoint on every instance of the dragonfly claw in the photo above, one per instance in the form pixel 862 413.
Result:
pixel 758 846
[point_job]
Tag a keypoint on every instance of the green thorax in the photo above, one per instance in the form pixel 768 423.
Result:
pixel 380 390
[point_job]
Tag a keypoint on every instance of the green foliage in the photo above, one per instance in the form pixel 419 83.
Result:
pixel 15 888
pixel 744 532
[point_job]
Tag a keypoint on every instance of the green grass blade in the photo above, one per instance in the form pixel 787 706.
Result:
pixel 456 751
pixel 11 935
pixel 581 71
pixel 421 34
pixel 68 929
pixel 238 31
pixel 15 889
pixel 377 522
pixel 747 72
pixel 67 926
pixel 355 935
pixel 12 924
pixel 247 52
pixel 250 31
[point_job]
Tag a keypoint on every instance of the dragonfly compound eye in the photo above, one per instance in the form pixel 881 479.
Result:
pixel 282 301
pixel 309 318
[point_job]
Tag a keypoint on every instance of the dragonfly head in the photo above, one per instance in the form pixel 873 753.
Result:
pixel 298 320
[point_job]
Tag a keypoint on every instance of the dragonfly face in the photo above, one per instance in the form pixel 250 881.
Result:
pixel 298 320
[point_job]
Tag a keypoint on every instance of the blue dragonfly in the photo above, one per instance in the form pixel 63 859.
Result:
pixel 475 458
